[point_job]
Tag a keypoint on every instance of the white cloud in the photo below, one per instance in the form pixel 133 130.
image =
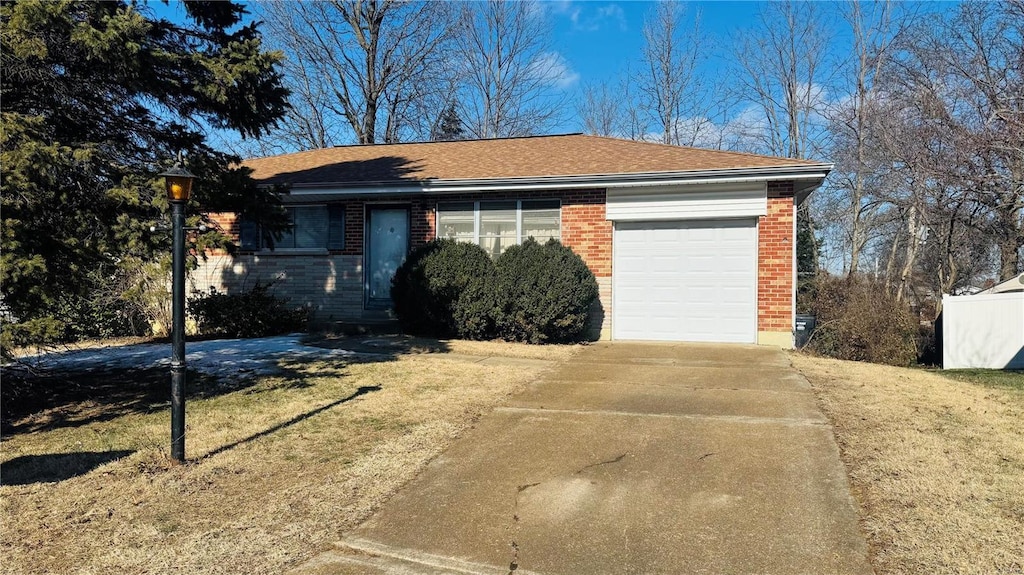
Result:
pixel 588 17
pixel 613 13
pixel 554 69
pixel 742 132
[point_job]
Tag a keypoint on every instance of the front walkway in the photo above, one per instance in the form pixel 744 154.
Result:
pixel 630 458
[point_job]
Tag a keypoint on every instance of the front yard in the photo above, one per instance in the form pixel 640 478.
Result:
pixel 279 465
pixel 936 462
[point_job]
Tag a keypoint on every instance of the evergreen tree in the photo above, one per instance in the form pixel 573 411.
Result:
pixel 98 98
pixel 807 254
pixel 449 126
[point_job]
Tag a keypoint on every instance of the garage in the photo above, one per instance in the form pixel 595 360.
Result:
pixel 685 280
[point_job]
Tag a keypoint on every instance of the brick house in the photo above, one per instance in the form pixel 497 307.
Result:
pixel 686 244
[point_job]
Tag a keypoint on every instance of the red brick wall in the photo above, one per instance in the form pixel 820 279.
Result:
pixel 225 223
pixel 422 222
pixel 584 228
pixel 775 261
pixel 353 229
pixel 586 231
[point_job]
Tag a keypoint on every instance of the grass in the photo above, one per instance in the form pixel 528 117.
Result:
pixel 936 463
pixel 1004 378
pixel 279 466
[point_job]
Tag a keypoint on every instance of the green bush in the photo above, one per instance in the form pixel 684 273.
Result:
pixel 858 319
pixel 446 289
pixel 253 313
pixel 544 293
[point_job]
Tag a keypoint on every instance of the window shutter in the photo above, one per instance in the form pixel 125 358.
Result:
pixel 248 234
pixel 336 227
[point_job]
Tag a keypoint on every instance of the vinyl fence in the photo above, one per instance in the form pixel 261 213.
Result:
pixel 984 330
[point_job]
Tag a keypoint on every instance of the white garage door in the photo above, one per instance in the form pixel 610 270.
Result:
pixel 685 281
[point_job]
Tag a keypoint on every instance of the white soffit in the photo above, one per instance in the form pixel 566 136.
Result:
pixel 688 202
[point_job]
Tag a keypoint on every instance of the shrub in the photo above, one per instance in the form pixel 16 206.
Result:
pixel 544 293
pixel 858 319
pixel 445 289
pixel 253 313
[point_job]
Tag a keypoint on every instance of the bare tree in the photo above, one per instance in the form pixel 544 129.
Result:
pixel 783 76
pixel 633 123
pixel 860 168
pixel 671 91
pixel 509 69
pixel 358 69
pixel 600 110
pixel 957 88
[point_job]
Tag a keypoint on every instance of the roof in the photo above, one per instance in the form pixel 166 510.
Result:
pixel 506 158
pixel 1015 283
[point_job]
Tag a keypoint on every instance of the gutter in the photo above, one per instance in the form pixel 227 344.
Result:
pixel 807 178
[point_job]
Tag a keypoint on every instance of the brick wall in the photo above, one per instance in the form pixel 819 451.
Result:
pixel 332 282
pixel 584 227
pixel 587 232
pixel 225 222
pixel 775 261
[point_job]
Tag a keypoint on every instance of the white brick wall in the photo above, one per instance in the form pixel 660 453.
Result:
pixel 330 284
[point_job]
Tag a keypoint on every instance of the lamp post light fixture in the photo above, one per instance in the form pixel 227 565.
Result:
pixel 178 182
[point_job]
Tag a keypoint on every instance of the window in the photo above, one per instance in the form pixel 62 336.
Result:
pixel 308 229
pixel 316 228
pixel 495 226
pixel 498 228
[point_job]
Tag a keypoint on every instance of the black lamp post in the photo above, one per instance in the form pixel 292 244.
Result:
pixel 178 181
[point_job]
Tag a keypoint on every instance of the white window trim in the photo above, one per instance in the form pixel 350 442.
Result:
pixel 519 216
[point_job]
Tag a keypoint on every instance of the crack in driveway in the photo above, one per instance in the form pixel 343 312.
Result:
pixel 514 563
pixel 599 463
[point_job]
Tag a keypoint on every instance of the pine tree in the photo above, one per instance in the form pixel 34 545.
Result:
pixel 449 126
pixel 807 255
pixel 98 98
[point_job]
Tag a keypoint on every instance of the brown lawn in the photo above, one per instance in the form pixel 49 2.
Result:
pixel 936 464
pixel 279 467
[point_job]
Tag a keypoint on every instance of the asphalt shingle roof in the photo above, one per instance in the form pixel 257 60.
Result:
pixel 538 156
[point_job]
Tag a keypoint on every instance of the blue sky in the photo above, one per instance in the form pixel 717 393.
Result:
pixel 598 40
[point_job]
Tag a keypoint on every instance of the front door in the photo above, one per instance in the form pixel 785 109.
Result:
pixel 385 250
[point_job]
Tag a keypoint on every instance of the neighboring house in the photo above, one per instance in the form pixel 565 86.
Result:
pixel 1012 285
pixel 985 330
pixel 686 244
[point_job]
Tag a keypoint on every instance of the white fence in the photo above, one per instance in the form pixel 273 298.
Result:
pixel 984 330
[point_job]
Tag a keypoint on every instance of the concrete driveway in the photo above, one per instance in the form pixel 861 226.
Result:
pixel 630 458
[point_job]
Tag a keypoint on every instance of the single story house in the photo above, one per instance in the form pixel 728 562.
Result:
pixel 687 244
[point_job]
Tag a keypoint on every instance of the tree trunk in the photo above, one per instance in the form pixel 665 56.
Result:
pixel 913 242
